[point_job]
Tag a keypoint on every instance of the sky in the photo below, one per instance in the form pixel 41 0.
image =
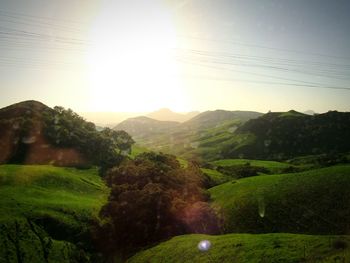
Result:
pixel 139 56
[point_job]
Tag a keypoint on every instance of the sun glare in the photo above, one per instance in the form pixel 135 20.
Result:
pixel 130 60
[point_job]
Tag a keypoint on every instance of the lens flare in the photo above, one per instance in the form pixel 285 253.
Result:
pixel 204 245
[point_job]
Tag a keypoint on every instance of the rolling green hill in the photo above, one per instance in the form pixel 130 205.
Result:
pixel 311 202
pixel 287 248
pixel 271 166
pixel 45 212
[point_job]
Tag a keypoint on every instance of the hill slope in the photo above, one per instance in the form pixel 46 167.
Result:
pixel 287 248
pixel 23 140
pixel 312 202
pixel 45 211
pixel 32 133
pixel 290 134
pixel 211 119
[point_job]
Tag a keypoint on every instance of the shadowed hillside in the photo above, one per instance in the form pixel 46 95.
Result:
pixel 32 133
pixel 290 134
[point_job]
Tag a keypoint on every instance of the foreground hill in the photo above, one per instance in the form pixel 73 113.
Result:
pixel 45 212
pixel 287 248
pixel 290 134
pixel 310 202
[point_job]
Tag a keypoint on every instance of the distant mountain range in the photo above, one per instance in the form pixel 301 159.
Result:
pixel 207 136
pixel 242 134
pixel 187 138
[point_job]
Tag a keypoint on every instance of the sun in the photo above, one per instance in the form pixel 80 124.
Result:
pixel 131 62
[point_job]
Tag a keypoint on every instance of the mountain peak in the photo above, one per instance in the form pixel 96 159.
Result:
pixel 165 114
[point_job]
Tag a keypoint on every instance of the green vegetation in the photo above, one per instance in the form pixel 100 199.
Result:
pixel 136 150
pixel 287 248
pixel 201 138
pixel 281 136
pixel 272 166
pixel 215 177
pixel 45 212
pixel 313 202
pixel 106 148
pixel 157 199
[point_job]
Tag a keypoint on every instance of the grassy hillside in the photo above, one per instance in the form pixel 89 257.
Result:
pixel 272 166
pixel 215 177
pixel 45 211
pixel 313 202
pixel 287 248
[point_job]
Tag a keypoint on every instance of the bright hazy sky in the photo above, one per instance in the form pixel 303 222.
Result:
pixel 136 56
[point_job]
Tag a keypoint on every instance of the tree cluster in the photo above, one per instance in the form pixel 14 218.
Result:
pixel 153 198
pixel 105 148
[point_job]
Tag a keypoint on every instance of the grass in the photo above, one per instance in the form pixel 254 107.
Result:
pixel 313 202
pixel 57 202
pixel 287 248
pixel 272 166
pixel 216 177
pixel 29 190
pixel 137 149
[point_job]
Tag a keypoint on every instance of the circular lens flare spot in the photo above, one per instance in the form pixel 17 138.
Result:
pixel 204 245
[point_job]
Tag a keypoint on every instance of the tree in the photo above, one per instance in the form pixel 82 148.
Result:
pixel 106 148
pixel 153 198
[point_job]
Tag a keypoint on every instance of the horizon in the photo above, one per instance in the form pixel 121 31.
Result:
pixel 140 56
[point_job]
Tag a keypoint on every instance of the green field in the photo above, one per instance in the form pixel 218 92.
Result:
pixel 41 204
pixel 269 248
pixel 137 149
pixel 215 176
pixel 272 166
pixel 313 202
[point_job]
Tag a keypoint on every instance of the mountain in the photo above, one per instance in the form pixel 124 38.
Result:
pixel 201 137
pixel 210 119
pixel 309 112
pixel 277 135
pixel 168 115
pixel 142 127
pixel 108 119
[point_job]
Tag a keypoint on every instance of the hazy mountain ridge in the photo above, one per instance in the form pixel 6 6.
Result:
pixel 168 115
pixel 143 126
pixel 238 134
